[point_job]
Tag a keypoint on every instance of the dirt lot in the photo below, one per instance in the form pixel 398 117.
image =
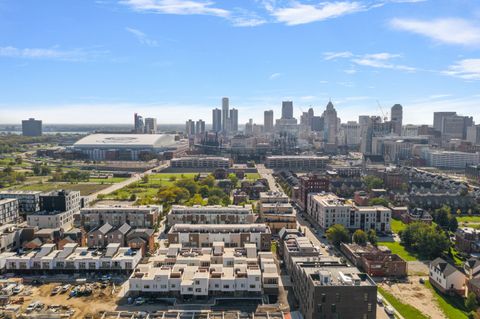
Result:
pixel 415 294
pixel 100 300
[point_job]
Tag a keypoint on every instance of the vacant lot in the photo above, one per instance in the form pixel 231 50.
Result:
pixel 84 188
pixel 398 249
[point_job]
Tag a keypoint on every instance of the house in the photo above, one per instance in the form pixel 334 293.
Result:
pixel 417 215
pixel 446 277
pixel 98 237
pixel 118 235
pixel 142 239
pixel 472 267
pixel 467 240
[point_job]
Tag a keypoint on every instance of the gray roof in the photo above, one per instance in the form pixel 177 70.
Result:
pixel 126 140
pixel 444 266
pixel 124 229
pixel 105 228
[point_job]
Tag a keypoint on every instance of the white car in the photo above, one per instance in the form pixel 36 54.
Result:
pixel 380 300
pixel 389 310
pixel 18 289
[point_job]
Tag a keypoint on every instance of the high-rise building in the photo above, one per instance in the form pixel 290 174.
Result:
pixel 473 134
pixel 372 127
pixel 268 121
pixel 350 134
pixel 330 125
pixel 249 127
pixel 317 123
pixel 150 125
pixel 233 120
pixel 31 127
pixel 216 120
pixel 287 110
pixel 225 114
pixel 190 128
pixel 438 119
pixel 455 127
pixel 139 126
pixel 200 127
pixel 397 118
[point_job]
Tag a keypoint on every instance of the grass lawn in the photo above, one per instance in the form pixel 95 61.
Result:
pixel 407 311
pixel 397 225
pixel 85 189
pixel 254 176
pixel 111 180
pixel 469 219
pixel 452 307
pixel 398 249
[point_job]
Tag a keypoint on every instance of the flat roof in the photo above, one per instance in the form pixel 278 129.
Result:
pixel 127 140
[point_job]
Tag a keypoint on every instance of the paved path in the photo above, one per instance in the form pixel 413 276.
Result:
pixel 268 175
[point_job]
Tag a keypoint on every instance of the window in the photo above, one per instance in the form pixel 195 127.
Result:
pixel 334 308
pixel 369 307
pixel 365 297
pixel 324 297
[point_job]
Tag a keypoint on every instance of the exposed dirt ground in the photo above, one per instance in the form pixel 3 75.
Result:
pixel 416 295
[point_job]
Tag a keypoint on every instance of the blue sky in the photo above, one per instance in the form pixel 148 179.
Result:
pixel 82 61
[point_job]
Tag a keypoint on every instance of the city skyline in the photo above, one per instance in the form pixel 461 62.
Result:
pixel 156 57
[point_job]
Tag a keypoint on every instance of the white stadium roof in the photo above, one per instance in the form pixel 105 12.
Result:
pixel 127 141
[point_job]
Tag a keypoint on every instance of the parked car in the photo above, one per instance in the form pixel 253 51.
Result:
pixel 18 289
pixel 389 310
pixel 56 290
pixel 65 288
pixel 139 301
pixel 379 300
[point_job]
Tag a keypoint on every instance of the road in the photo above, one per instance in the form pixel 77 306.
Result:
pixel 268 175
pixel 135 178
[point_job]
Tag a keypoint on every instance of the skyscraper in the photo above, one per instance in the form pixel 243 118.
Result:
pixel 216 120
pixel 225 114
pixel 150 125
pixel 397 118
pixel 31 127
pixel 200 127
pixel 268 121
pixel 287 110
pixel 330 124
pixel 139 126
pixel 438 119
pixel 190 127
pixel 234 120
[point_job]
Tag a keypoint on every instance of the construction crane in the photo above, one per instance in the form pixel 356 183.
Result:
pixel 385 115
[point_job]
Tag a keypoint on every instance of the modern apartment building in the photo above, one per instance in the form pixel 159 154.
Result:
pixel 74 259
pixel 28 201
pixel 328 209
pixel 135 216
pixel 234 235
pixel 189 272
pixel 8 211
pixel 273 197
pixel 451 159
pixel 296 162
pixel 201 162
pixel 311 183
pixel 215 214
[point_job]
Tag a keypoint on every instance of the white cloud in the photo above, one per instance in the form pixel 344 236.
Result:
pixel 446 30
pixel 274 76
pixel 142 37
pixel 180 7
pixel 299 13
pixel 381 60
pixel 49 53
pixel 468 69
pixel 335 55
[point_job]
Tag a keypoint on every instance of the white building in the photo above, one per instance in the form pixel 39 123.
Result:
pixel 329 209
pixel 73 258
pixel 451 159
pixel 8 211
pixel 28 201
pixel 201 162
pixel 446 277
pixel 180 271
pixel 214 214
pixel 273 197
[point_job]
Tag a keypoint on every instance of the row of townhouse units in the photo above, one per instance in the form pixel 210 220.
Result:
pixel 327 209
pixel 213 214
pixel 180 271
pixel 201 162
pixel 233 235
pixel 324 286
pixel 116 215
pixel 28 201
pixel 276 211
pixel 72 258
pixel 297 162
pixel 8 211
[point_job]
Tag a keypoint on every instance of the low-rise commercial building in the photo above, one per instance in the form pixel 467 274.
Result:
pixel 215 214
pixel 328 209
pixel 72 259
pixel 296 162
pixel 233 235
pixel 194 272
pixel 8 211
pixel 28 201
pixel 135 216
pixel 201 162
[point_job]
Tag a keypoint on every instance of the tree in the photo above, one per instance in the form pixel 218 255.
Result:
pixel 471 302
pixel 337 234
pixel 208 181
pixel 372 237
pixel 197 199
pixel 214 200
pixel 428 240
pixel 360 237
pixel 145 179
pixel 452 223
pixel 188 184
pixel 234 179
pixel 373 182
